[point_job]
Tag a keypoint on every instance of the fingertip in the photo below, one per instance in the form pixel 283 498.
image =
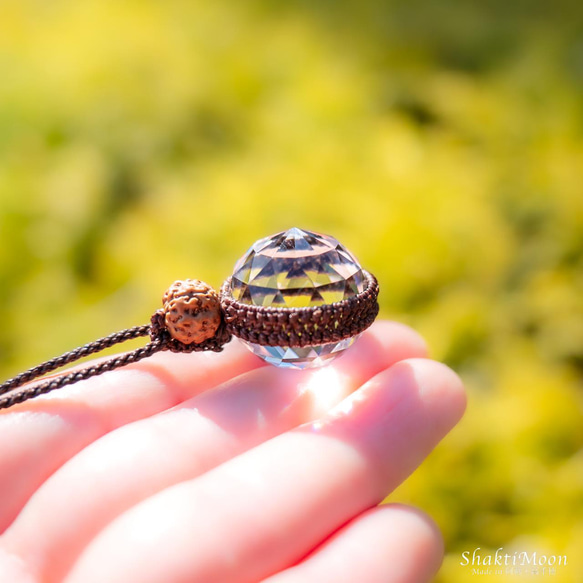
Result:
pixel 430 546
pixel 439 386
pixel 391 543
pixel 400 340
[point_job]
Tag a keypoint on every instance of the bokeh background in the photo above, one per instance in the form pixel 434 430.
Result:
pixel 442 142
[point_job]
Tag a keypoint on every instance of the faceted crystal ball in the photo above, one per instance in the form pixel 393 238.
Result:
pixel 297 268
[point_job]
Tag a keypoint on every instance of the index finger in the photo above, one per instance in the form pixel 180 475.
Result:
pixel 45 432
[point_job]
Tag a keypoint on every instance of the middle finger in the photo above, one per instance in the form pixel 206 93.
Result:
pixel 138 460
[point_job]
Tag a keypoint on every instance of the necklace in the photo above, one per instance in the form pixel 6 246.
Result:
pixel 297 299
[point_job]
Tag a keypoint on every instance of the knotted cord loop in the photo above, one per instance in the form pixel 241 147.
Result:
pixel 196 318
pixel 180 308
pixel 159 332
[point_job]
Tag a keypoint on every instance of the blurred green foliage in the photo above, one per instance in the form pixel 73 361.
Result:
pixel 442 142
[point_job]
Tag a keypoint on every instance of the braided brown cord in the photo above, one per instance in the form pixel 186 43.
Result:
pixel 297 327
pixel 73 377
pixel 160 340
pixel 73 355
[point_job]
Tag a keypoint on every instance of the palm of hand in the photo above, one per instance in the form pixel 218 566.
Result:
pixel 215 467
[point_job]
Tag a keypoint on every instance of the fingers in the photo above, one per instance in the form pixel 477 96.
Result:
pixel 144 457
pixel 265 509
pixel 387 544
pixel 45 432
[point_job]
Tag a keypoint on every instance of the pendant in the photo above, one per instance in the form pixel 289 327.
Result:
pixel 297 269
pixel 296 299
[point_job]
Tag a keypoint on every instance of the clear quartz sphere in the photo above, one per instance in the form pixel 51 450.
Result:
pixel 297 268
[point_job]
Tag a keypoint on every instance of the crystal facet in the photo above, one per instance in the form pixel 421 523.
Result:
pixel 297 268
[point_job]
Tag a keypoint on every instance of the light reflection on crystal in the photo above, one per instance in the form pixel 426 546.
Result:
pixel 305 357
pixel 297 268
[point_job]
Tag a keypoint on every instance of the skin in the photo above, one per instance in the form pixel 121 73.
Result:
pixel 219 468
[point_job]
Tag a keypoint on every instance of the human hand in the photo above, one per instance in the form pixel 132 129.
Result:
pixel 213 467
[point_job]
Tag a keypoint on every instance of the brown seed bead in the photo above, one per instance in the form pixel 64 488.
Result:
pixel 192 311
